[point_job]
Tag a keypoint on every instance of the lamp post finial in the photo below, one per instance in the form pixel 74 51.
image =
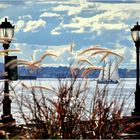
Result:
pixel 5 19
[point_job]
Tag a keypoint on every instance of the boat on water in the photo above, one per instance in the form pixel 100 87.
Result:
pixel 109 74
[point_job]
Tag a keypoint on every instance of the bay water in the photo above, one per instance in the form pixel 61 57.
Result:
pixel 126 88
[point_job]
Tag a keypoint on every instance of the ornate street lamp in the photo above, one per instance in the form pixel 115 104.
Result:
pixel 6 31
pixel 135 33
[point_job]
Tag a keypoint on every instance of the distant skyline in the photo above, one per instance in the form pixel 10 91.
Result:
pixel 42 25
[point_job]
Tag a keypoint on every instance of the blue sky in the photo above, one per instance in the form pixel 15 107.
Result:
pixel 45 25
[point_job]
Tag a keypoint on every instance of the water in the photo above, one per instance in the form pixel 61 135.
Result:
pixel 125 88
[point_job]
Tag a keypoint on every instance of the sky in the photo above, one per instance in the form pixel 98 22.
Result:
pixel 53 25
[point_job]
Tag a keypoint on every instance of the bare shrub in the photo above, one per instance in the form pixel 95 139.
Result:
pixel 68 116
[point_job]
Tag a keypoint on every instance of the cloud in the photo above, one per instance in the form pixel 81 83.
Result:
pixel 55 1
pixel 72 10
pixel 129 58
pixel 78 31
pixel 4 5
pixel 10 3
pixel 33 25
pixel 28 51
pixel 56 31
pixel 66 57
pixel 107 18
pixel 19 25
pixel 120 50
pixel 25 17
pixel 62 8
pixel 46 1
pixel 26 24
pixel 107 23
pixel 34 55
pixel 129 55
pixel 133 54
pixel 95 26
pixel 99 22
pixel 49 14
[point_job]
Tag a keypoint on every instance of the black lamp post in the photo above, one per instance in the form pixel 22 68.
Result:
pixel 6 31
pixel 135 33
